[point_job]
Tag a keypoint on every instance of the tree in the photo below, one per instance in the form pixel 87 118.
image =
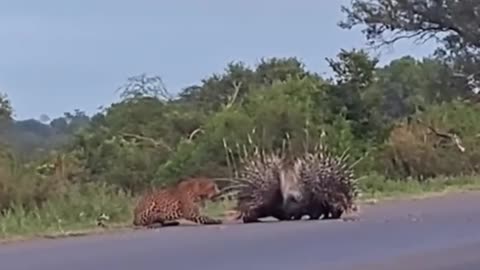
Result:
pixel 144 86
pixel 279 69
pixel 44 118
pixel 219 89
pixel 354 73
pixel 6 109
pixel 407 85
pixel 238 80
pixel 456 24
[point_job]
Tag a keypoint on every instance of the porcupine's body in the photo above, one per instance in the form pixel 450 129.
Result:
pixel 327 185
pixel 266 182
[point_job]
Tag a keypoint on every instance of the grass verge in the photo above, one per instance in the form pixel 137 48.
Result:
pixel 378 188
pixel 79 211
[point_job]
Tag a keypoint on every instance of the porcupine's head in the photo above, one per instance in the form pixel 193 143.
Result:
pixel 291 185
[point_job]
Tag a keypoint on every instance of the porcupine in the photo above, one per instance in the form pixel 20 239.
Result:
pixel 328 186
pixel 267 183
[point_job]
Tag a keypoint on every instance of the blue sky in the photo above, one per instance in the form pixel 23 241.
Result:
pixel 58 55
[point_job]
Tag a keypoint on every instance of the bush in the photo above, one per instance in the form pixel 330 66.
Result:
pixel 31 202
pixel 425 147
pixel 79 207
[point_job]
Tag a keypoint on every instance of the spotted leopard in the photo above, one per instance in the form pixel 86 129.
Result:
pixel 165 206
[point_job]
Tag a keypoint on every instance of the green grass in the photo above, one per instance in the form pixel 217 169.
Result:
pixel 377 187
pixel 77 212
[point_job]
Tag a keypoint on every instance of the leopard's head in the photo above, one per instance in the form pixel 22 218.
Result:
pixel 201 188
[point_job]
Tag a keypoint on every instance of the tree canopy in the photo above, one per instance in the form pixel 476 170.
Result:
pixel 456 24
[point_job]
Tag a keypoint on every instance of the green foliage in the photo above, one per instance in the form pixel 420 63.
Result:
pixel 79 207
pixel 150 138
pixel 205 155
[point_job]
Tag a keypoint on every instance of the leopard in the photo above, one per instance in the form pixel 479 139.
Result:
pixel 165 206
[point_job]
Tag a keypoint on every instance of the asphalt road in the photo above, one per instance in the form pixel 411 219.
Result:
pixel 437 233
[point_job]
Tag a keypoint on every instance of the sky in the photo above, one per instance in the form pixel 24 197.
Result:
pixel 58 56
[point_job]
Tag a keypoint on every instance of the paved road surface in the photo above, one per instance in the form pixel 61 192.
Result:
pixel 436 234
